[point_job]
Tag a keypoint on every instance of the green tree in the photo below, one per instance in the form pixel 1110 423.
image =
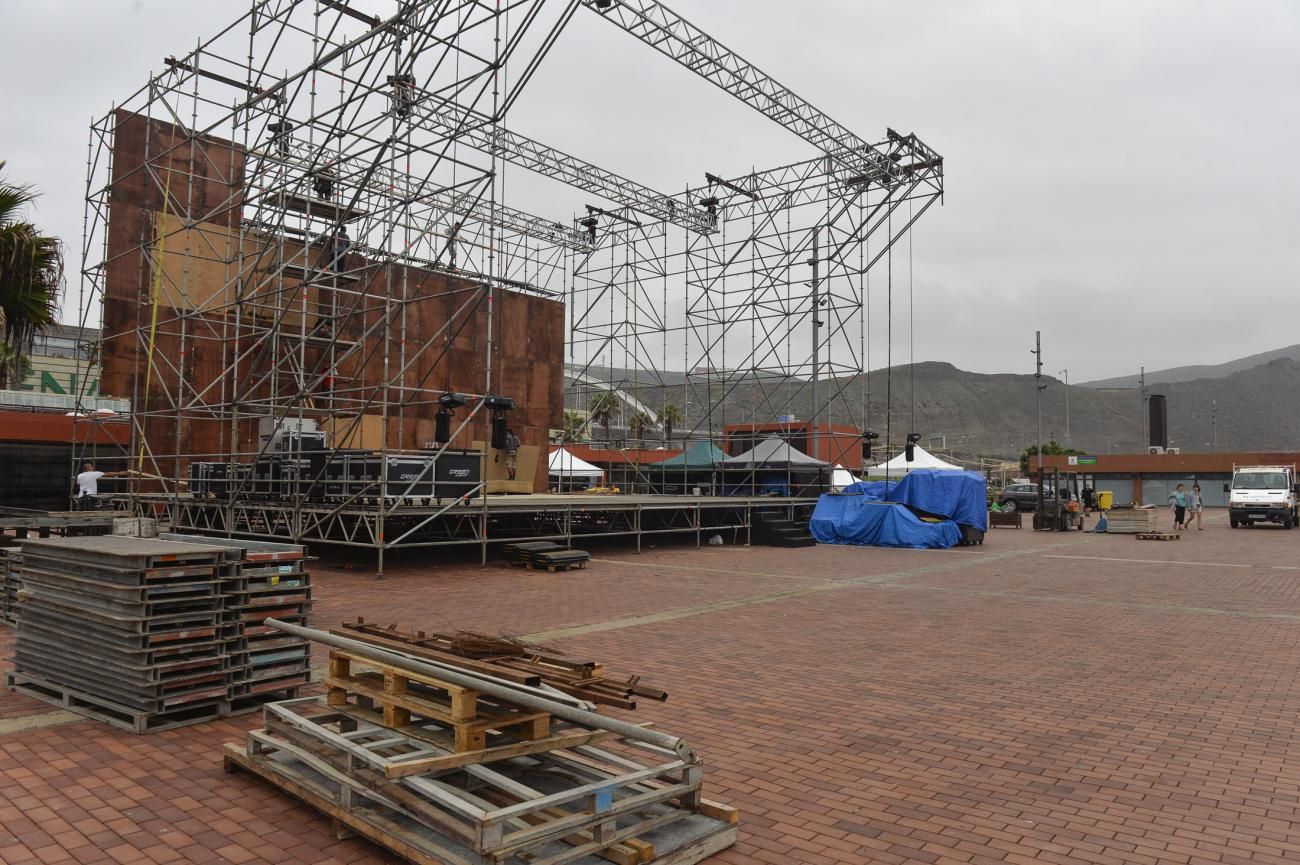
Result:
pixel 669 417
pixel 640 424
pixel 603 406
pixel 1049 450
pixel 575 427
pixel 31 276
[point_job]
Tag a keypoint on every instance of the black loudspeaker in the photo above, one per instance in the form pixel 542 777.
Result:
pixel 1158 411
pixel 868 436
pixel 499 430
pixel 909 452
pixel 442 426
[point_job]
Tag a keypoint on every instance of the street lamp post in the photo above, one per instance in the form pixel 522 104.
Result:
pixel 1066 374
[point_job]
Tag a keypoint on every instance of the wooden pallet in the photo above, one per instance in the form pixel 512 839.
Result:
pixel 1157 536
pixel 404 695
pixel 551 568
pixel 562 805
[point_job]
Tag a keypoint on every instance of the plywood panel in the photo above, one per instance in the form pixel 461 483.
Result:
pixel 366 433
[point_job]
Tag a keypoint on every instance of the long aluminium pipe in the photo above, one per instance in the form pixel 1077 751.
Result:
pixel 493 689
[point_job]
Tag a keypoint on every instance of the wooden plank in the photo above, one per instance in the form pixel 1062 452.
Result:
pixel 424 707
pixel 401 768
pixel 474 666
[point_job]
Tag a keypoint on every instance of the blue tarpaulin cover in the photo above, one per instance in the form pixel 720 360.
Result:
pixel 959 496
pixel 875 491
pixel 854 519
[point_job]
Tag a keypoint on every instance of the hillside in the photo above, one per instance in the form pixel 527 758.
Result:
pixel 995 414
pixel 1198 371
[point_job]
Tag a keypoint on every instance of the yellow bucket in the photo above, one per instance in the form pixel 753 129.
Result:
pixel 1105 499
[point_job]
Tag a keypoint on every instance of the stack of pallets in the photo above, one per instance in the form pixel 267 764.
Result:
pixel 1130 521
pixel 127 630
pixel 270 581
pixel 546 555
pixel 439 773
pixel 11 559
pixel 149 634
pixel 510 659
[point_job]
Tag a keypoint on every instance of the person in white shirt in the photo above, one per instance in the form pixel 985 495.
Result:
pixel 88 484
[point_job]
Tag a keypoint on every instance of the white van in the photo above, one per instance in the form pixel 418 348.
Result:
pixel 1263 494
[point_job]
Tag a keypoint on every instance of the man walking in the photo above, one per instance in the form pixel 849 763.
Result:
pixel 512 453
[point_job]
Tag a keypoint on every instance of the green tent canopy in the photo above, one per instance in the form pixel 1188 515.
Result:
pixel 698 457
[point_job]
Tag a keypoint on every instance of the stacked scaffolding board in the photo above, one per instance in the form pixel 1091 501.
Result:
pixel 128 630
pixel 270 581
pixel 149 634
pixel 11 559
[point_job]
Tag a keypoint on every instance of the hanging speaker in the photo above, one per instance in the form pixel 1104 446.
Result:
pixel 868 437
pixel 909 452
pixel 499 430
pixel 442 426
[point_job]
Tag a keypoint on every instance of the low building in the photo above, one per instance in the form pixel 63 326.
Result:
pixel 44 438
pixel 837 444
pixel 1150 478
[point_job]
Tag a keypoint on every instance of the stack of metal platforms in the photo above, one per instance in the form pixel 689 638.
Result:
pixel 10 560
pixel 546 555
pixel 148 634
pixel 271 581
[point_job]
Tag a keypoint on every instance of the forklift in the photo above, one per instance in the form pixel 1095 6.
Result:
pixel 1066 510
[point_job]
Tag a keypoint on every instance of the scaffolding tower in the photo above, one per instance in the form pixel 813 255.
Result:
pixel 273 219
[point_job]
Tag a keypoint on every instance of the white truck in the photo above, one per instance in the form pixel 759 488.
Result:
pixel 1263 494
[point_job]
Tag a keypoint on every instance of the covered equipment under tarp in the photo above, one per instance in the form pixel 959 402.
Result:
pixel 566 465
pixel 960 496
pixel 856 520
pixel 921 459
pixel 875 491
pixel 773 467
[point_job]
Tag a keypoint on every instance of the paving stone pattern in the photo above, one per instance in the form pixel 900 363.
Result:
pixel 1037 699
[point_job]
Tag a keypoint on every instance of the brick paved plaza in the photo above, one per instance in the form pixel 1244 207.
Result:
pixel 1043 698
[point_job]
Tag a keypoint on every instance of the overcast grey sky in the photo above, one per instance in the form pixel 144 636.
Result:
pixel 1119 175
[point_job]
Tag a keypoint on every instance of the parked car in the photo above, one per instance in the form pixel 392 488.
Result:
pixel 1023 497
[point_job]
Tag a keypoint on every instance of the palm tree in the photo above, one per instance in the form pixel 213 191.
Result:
pixel 603 406
pixel 640 424
pixel 669 417
pixel 574 427
pixel 31 276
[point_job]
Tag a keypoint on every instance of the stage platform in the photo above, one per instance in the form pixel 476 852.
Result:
pixel 495 519
pixel 22 521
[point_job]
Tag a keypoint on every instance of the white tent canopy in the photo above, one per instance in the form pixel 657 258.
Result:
pixel 841 478
pixel 922 459
pixel 566 465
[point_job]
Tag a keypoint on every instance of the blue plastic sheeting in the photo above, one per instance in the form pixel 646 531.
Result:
pixel 959 496
pixel 874 491
pixel 841 519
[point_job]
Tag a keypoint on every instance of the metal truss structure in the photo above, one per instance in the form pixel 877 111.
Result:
pixel 635 518
pixel 388 119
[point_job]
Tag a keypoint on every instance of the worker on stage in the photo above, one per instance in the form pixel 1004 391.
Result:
pixel 88 485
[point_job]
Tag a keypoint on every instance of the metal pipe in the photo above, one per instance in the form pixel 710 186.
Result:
pixel 492 689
